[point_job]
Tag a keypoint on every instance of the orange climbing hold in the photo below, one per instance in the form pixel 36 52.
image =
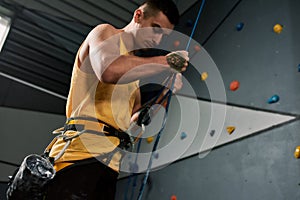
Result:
pixel 173 197
pixel 150 139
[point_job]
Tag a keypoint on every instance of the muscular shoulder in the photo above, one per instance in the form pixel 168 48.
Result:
pixel 102 32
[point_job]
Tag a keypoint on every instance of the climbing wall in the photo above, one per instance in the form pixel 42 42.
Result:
pixel 254 44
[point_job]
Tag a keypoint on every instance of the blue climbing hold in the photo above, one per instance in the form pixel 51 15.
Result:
pixel 273 99
pixel 299 68
pixel 183 135
pixel 240 26
pixel 133 167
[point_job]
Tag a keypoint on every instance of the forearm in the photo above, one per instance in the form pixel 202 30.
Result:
pixel 129 68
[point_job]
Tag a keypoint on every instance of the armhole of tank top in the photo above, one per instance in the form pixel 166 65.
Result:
pixel 78 70
pixel 137 84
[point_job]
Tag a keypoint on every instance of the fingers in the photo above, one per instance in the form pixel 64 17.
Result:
pixel 183 69
pixel 178 83
pixel 178 60
pixel 134 117
pixel 179 76
pixel 184 54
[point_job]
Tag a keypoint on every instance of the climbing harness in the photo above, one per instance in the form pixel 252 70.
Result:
pixel 36 171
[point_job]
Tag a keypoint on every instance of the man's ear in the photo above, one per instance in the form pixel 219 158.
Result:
pixel 138 15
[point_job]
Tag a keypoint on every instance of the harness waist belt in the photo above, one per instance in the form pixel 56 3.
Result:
pixel 124 138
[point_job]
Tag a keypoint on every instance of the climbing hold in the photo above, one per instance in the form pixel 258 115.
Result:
pixel 234 85
pixel 204 76
pixel 133 167
pixel 230 129
pixel 155 155
pixel 176 43
pixel 197 48
pixel 212 133
pixel 277 28
pixel 240 26
pixel 299 68
pixel 189 23
pixel 297 152
pixel 183 135
pixel 150 139
pixel 173 197
pixel 273 99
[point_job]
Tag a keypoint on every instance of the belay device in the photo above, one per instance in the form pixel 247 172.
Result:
pixel 29 181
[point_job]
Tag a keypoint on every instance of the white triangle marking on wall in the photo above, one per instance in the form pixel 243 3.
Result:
pixel 197 119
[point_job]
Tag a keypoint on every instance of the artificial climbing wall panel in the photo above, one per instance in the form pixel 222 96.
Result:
pixel 265 63
pixel 196 126
pixel 260 167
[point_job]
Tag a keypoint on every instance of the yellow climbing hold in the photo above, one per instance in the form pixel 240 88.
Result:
pixel 204 76
pixel 150 139
pixel 277 28
pixel 230 129
pixel 297 152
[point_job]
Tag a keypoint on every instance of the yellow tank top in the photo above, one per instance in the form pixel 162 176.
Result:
pixel 111 103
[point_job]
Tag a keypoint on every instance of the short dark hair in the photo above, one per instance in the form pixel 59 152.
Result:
pixel 168 7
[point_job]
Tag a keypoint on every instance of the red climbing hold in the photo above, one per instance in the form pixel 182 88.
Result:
pixel 234 85
pixel 176 43
pixel 197 48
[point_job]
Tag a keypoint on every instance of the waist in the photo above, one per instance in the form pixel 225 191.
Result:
pixel 88 123
pixel 96 126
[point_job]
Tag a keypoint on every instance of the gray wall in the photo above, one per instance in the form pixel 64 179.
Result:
pixel 23 132
pixel 261 166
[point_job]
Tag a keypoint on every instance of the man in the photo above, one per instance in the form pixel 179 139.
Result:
pixel 104 98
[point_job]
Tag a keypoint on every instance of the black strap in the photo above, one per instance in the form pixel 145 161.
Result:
pixel 89 119
pixel 125 141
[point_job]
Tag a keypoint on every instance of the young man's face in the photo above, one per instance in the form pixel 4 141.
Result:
pixel 152 29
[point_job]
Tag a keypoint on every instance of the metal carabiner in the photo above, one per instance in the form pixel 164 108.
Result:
pixel 68 140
